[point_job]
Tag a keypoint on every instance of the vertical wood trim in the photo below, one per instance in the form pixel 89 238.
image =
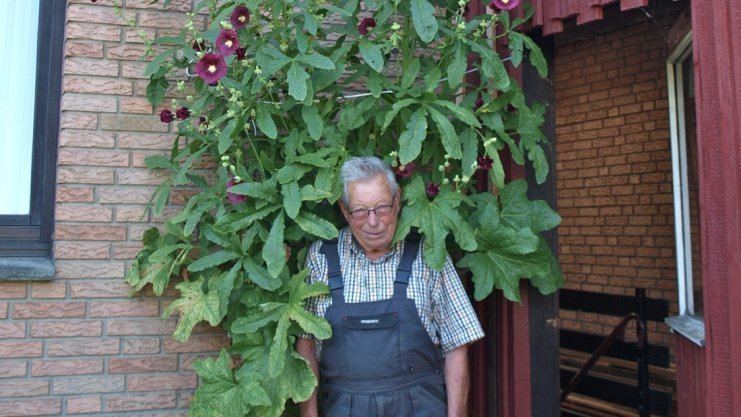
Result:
pixel 718 91
pixel 690 362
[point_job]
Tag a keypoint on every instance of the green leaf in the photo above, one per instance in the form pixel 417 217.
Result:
pixel 296 382
pixel 291 199
pixel 265 121
pixel 461 113
pixel 314 122
pixel 395 108
pixel 536 56
pixel 496 173
pixel 450 140
pixel 273 251
pixel 515 47
pixel 517 211
pixel 156 90
pixel 194 306
pixel 410 140
pixel 214 259
pixel 291 173
pixel 317 61
pixel 316 226
pixel 225 139
pixel 371 54
pixel 470 151
pixel 260 275
pixel 423 19
pixel 540 163
pixel 159 162
pixel 296 78
pixel 457 66
pixel 160 200
pixel 410 74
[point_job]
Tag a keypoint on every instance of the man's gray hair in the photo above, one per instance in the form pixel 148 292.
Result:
pixel 363 168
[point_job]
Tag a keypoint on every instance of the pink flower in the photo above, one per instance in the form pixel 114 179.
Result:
pixel 240 53
pixel 227 41
pixel 504 4
pixel 234 198
pixel 432 190
pixel 365 25
pixel 484 162
pixel 166 116
pixel 405 171
pixel 182 113
pixel 240 17
pixel 211 68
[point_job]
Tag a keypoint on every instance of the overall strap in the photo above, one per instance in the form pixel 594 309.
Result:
pixel 404 270
pixel 336 286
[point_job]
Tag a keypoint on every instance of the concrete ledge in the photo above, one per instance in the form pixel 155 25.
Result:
pixel 691 327
pixel 26 269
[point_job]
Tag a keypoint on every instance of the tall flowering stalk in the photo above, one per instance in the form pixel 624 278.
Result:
pixel 268 104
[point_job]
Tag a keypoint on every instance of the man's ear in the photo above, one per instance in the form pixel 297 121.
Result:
pixel 398 199
pixel 344 210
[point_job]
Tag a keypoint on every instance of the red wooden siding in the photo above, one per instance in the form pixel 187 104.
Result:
pixel 550 14
pixel 690 377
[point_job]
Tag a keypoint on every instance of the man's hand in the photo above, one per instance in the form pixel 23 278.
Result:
pixel 457 381
pixel 306 348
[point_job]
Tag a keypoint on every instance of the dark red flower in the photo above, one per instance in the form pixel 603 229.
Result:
pixel 405 171
pixel 166 116
pixel 479 103
pixel 432 190
pixel 240 53
pixel 504 4
pixel 240 17
pixel 484 162
pixel 227 41
pixel 211 68
pixel 182 113
pixel 199 46
pixel 234 198
pixel 366 24
pixel 466 11
pixel 202 121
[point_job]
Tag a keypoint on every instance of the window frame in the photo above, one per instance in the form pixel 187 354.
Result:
pixel 27 239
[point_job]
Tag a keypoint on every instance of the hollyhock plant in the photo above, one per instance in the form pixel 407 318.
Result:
pixel 504 4
pixel 432 190
pixel 240 53
pixel 166 116
pixel 182 113
pixel 211 68
pixel 240 17
pixel 234 198
pixel 484 162
pixel 365 25
pixel 227 41
pixel 405 171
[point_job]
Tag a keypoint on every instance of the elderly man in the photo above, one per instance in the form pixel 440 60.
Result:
pixel 400 330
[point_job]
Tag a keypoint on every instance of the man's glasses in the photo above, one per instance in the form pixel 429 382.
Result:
pixel 382 210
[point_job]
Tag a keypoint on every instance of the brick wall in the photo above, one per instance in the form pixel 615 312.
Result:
pixel 79 344
pixel 614 170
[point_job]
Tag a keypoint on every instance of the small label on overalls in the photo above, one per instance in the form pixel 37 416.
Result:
pixel 374 321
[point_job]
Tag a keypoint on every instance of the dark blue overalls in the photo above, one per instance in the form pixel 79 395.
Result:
pixel 380 360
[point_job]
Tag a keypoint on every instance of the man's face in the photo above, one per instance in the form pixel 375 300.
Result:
pixel 375 232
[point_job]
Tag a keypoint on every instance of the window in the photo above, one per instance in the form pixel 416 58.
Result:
pixel 680 79
pixel 30 106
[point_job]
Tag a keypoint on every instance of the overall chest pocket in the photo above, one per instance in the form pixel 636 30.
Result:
pixel 372 345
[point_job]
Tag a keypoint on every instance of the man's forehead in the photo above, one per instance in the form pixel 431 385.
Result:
pixel 369 191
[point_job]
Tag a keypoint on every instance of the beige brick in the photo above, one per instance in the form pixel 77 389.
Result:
pixel 126 250
pixel 85 66
pixel 132 213
pixel 86 102
pixel 74 195
pixel 81 405
pixel 125 195
pixel 85 139
pixel 85 175
pixel 3 310
pixel 67 367
pixel 93 31
pixel 141 345
pixel 98 15
pixel 89 269
pixel 100 289
pixel 84 49
pixel 145 141
pixel 93 157
pixel 132 35
pixel 134 69
pixel 144 383
pixel 90 232
pixel 130 52
pixel 196 343
pixel 34 407
pixel 160 19
pixel 175 5
pixel 135 104
pixel 48 310
pixel 133 123
pixel 83 346
pixel 83 213
pixel 81 250
pixel 88 384
pixel 76 84
pixel 138 157
pixel 78 120
pixel 134 176
pixel 20 349
pixel 131 402
pixel 143 364
pixel 141 327
pixel 23 387
pixel 67 328
pixel 13 289
pixel 48 289
pixel 12 368
pixel 129 308
pixel 12 330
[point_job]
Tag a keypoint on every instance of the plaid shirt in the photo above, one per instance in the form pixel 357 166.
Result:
pixel 441 301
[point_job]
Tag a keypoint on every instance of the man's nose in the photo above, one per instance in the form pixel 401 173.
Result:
pixel 372 218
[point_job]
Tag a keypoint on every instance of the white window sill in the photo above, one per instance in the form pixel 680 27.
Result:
pixel 26 269
pixel 691 327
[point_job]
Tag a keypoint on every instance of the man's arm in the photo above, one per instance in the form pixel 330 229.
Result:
pixel 305 348
pixel 457 381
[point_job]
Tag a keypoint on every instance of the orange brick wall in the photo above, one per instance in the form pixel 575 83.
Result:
pixel 79 344
pixel 613 160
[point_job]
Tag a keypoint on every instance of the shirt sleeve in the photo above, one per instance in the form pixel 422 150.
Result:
pixel 316 267
pixel 452 311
